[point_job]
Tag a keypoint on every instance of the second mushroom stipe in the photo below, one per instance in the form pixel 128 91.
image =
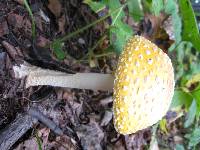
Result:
pixel 142 90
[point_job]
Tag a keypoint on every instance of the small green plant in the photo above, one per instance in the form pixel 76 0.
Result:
pixel 32 18
pixel 38 140
pixel 56 45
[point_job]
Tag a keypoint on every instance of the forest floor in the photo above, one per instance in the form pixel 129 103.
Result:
pixel 85 116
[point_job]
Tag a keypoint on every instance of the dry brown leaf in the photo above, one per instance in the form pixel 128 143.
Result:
pixel 62 143
pixel 90 135
pixel 3 28
pixel 168 26
pixel 61 24
pixel 10 50
pixel 15 20
pixel 118 145
pixel 136 141
pixel 42 41
pixel 38 22
pixel 55 7
pixel 21 2
pixel 178 139
pixel 44 134
pixel 152 25
pixel 28 144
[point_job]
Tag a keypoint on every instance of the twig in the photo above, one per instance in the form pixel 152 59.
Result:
pixel 35 113
pixel 15 130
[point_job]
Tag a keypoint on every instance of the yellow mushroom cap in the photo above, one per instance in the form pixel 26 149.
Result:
pixel 143 87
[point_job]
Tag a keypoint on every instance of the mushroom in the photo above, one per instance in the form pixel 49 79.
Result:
pixel 143 84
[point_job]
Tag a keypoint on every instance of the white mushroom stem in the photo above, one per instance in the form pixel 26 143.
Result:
pixel 39 76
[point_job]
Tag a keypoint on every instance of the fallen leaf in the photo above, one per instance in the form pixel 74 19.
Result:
pixel 44 133
pixel 90 135
pixel 118 145
pixel 42 41
pixel 168 27
pixel 3 28
pixel 154 31
pixel 28 144
pixel 178 139
pixel 61 24
pixel 10 49
pixel 62 143
pixel 152 25
pixel 21 2
pixel 15 20
pixel 55 7
pixel 136 141
pixel 38 22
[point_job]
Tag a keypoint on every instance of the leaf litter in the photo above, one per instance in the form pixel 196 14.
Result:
pixel 85 116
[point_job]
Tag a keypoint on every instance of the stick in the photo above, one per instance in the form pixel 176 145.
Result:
pixel 35 113
pixel 15 130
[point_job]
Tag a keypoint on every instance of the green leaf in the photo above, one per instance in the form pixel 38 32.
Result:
pixel 191 114
pixel 190 28
pixel 179 147
pixel 120 32
pixel 116 17
pixel 196 95
pixel 181 51
pixel 147 5
pixel 33 26
pixel 135 9
pixel 193 80
pixel 181 98
pixel 171 8
pixel 157 6
pixel 38 140
pixel 163 125
pixel 119 36
pixel 57 49
pixel 177 25
pixel 194 137
pixel 95 6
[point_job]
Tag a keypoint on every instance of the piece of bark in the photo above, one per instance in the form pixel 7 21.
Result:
pixel 23 122
pixel 15 130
